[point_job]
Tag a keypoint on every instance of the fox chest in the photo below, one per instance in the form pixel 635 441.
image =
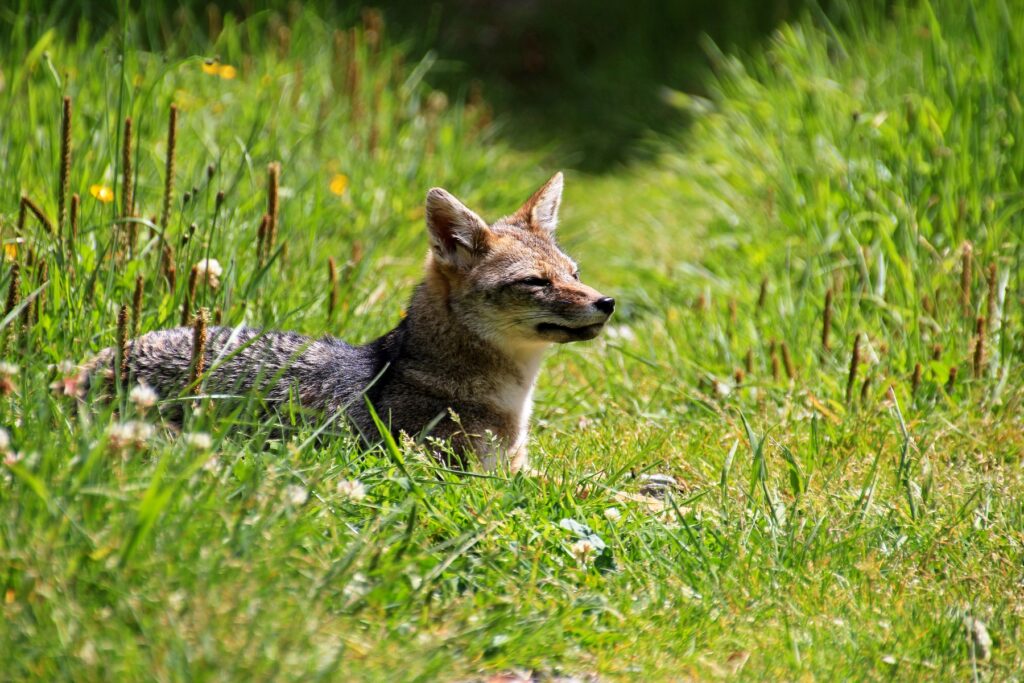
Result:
pixel 515 403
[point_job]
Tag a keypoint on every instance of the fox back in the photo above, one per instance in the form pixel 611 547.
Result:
pixel 459 368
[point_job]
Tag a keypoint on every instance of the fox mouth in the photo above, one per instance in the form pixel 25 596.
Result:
pixel 565 333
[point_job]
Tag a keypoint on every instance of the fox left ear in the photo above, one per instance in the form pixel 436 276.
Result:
pixel 541 210
pixel 457 235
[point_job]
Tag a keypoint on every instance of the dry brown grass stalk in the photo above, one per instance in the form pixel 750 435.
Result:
pixel 167 265
pixel 353 76
pixel 172 143
pixel 29 205
pixel 273 206
pixel 65 166
pixel 979 346
pixel 122 349
pixel 951 380
pixel 13 289
pixel 127 200
pixel 787 361
pixel 190 296
pixel 199 334
pixel 76 202
pixel 140 284
pixel 332 281
pixel 261 241
pixel 865 389
pixel 854 365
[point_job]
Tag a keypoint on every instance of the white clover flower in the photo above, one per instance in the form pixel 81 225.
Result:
pixel 209 271
pixel 8 369
pixel 351 489
pixel 143 432
pixel 612 514
pixel 143 397
pixel 296 495
pixel 200 441
pixel 583 550
pixel 121 435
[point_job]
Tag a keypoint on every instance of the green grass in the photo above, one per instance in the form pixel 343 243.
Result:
pixel 810 535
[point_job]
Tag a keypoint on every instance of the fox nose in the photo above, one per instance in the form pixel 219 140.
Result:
pixel 605 305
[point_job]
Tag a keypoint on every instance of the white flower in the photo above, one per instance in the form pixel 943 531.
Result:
pixel 5 440
pixel 200 441
pixel 351 489
pixel 620 332
pixel 583 550
pixel 121 435
pixel 977 633
pixel 612 514
pixel 143 397
pixel 296 495
pixel 8 369
pixel 143 431
pixel 210 271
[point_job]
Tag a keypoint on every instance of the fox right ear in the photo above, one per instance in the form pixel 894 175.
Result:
pixel 457 235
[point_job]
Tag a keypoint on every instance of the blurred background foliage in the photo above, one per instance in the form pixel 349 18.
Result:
pixel 588 81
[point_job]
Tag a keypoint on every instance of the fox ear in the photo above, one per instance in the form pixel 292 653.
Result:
pixel 541 210
pixel 457 235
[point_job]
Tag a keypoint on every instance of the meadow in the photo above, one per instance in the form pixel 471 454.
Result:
pixel 795 454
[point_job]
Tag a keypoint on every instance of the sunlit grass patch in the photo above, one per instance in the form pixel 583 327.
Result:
pixel 732 481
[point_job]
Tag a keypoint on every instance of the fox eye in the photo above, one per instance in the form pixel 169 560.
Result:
pixel 535 282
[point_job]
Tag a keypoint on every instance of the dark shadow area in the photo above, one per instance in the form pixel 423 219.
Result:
pixel 583 79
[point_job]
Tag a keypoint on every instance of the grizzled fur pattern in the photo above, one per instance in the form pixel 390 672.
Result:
pixel 460 367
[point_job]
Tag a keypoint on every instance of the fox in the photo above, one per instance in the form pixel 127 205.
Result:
pixel 459 368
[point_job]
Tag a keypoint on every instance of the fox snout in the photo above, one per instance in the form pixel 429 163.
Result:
pixel 579 320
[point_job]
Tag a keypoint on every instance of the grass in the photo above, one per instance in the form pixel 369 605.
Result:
pixel 814 530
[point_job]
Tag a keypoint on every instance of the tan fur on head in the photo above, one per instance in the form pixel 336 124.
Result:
pixel 509 282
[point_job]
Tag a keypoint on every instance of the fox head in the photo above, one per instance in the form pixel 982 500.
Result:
pixel 508 281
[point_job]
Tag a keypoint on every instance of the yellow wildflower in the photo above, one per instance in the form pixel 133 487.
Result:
pixel 10 251
pixel 227 72
pixel 102 193
pixel 339 183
